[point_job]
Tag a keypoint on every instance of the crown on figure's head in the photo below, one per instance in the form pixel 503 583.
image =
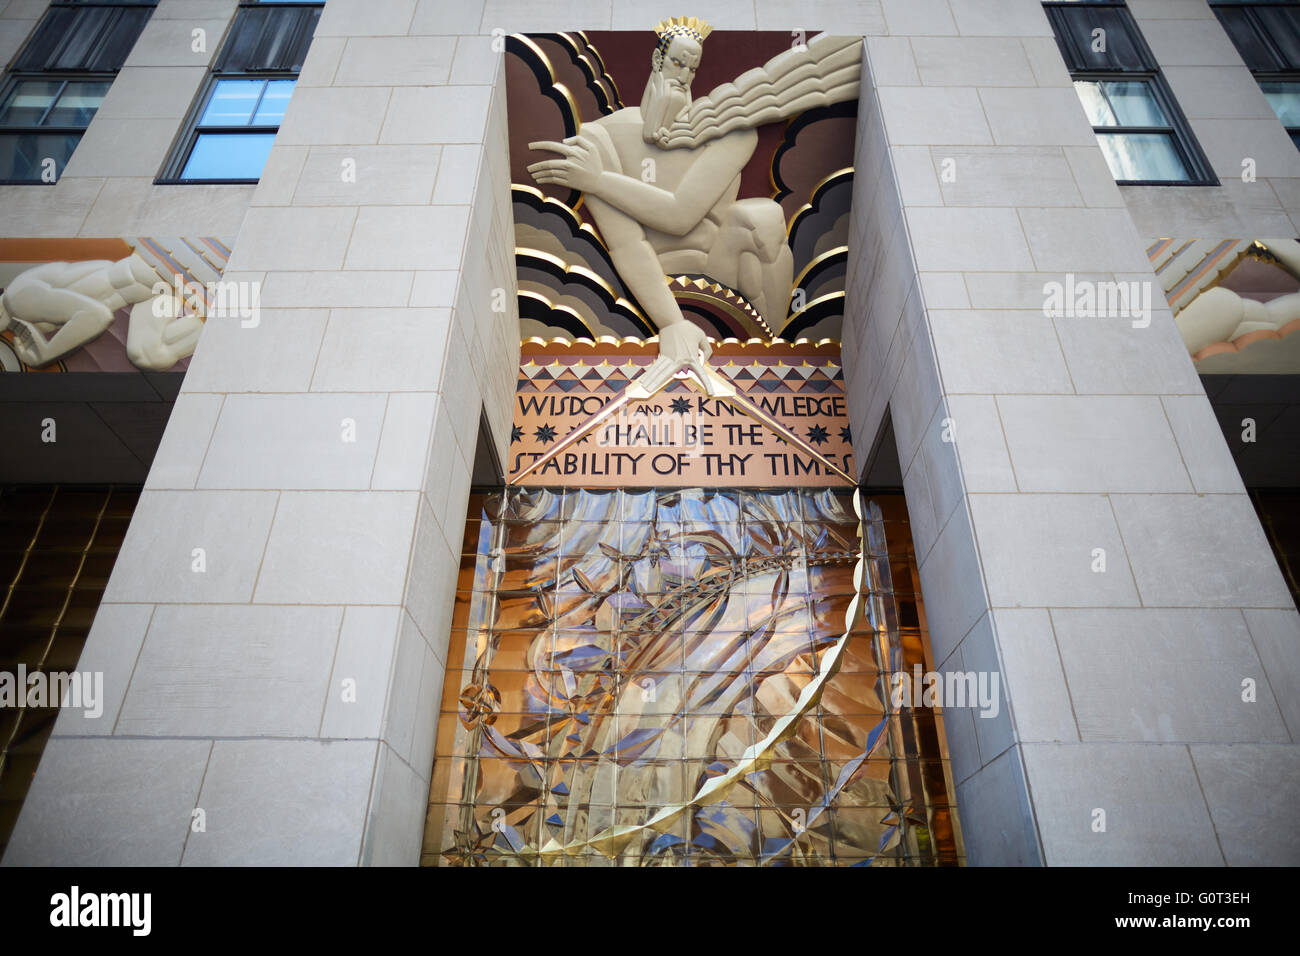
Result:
pixel 690 27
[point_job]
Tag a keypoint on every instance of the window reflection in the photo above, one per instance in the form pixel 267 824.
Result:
pixel 1134 156
pixel 1133 130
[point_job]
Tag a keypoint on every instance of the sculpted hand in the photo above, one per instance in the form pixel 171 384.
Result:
pixel 579 169
pixel 681 345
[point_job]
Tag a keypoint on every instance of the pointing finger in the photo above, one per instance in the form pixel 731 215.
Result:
pixel 548 164
pixel 551 146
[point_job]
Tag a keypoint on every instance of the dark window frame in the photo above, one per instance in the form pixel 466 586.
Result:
pixel 173 170
pixel 1292 77
pixel 1282 69
pixel 1263 35
pixel 193 128
pixel 37 37
pixel 1199 171
pixel 1198 168
pixel 18 72
pixel 7 89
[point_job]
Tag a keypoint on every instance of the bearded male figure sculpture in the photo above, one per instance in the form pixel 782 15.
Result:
pixel 662 180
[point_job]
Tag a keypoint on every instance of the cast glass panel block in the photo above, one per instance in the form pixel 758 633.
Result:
pixel 647 689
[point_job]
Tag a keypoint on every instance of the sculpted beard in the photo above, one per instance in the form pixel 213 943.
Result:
pixel 661 103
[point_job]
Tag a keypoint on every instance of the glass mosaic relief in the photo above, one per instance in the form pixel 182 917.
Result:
pixel 694 677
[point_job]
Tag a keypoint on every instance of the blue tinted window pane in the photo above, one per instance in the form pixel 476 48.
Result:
pixel 271 110
pixel 23 155
pixel 1134 104
pixel 1147 157
pixel 232 103
pixel 1285 100
pixel 228 156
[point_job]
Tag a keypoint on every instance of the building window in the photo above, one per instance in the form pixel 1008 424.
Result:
pixel 234 132
pixel 58 81
pixel 228 135
pixel 1284 96
pixel 1267 35
pixel 1141 131
pixel 1133 130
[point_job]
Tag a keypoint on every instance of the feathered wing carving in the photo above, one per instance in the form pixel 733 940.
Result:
pixel 827 70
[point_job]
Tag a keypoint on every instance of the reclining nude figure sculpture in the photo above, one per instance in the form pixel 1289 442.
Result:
pixel 662 179
pixel 56 308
